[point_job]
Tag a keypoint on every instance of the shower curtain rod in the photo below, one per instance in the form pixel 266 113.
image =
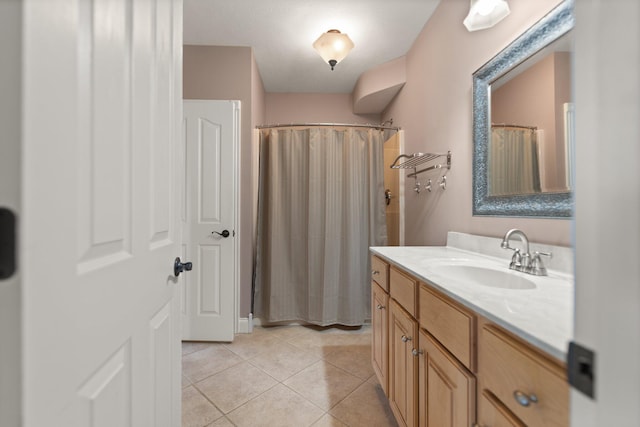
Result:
pixel 506 125
pixel 353 125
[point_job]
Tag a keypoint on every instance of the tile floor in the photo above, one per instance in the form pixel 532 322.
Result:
pixel 284 376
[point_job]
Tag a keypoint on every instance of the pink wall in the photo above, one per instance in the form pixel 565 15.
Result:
pixel 434 108
pixel 286 108
pixel 258 101
pixel 217 72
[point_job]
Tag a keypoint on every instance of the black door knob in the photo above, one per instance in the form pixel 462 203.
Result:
pixel 225 233
pixel 179 267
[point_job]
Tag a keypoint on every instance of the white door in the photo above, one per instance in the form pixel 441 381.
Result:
pixel 209 219
pixel 100 223
pixel 607 230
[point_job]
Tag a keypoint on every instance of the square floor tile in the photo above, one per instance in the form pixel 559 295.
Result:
pixel 279 407
pixel 248 345
pixel 185 382
pixel 221 422
pixel 206 362
pixel 329 420
pixel 189 347
pixel 366 407
pixel 283 332
pixel 197 411
pixel 235 386
pixel 284 361
pixel 355 359
pixel 323 384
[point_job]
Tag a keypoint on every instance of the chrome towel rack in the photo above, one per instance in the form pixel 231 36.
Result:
pixel 417 159
pixel 413 161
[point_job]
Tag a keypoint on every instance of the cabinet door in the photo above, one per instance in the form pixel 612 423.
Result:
pixel 403 366
pixel 379 343
pixel 447 391
pixel 492 413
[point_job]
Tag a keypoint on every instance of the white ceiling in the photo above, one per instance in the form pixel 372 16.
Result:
pixel 282 31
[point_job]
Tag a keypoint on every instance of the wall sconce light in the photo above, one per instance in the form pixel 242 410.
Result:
pixel 333 46
pixel 485 14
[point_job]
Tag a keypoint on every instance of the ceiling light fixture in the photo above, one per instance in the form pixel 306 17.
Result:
pixel 333 46
pixel 485 14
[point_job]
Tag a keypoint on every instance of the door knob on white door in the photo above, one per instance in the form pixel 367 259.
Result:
pixel 179 267
pixel 225 233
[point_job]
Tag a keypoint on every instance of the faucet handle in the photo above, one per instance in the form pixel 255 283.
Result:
pixel 537 268
pixel 537 254
pixel 516 259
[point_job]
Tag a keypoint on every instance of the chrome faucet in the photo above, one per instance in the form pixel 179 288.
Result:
pixel 524 262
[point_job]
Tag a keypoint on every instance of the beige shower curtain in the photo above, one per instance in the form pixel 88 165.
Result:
pixel 513 161
pixel 320 207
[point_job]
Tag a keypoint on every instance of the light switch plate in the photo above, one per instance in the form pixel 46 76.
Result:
pixel 581 369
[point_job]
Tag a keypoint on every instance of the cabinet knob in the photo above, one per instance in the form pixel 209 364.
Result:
pixel 374 272
pixel 417 352
pixel 524 399
pixel 405 338
pixel 380 307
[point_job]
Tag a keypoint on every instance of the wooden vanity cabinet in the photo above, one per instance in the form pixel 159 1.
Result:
pixel 403 365
pixel 380 321
pixel 450 367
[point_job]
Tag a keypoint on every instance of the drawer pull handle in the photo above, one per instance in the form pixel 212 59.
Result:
pixel 405 338
pixel 374 272
pixel 380 307
pixel 523 399
pixel 417 352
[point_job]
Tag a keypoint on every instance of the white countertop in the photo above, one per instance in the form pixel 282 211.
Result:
pixel 542 316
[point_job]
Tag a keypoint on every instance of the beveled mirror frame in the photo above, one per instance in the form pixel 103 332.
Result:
pixel 555 205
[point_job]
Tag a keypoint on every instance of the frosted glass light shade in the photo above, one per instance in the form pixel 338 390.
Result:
pixel 485 14
pixel 333 46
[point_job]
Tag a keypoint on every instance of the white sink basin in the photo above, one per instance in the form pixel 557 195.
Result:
pixel 484 276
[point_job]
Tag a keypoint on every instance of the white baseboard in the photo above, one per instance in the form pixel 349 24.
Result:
pixel 246 324
pixel 243 325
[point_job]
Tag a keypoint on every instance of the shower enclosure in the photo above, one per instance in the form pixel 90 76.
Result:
pixel 321 204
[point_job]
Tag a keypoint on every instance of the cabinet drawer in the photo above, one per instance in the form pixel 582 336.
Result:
pixel 380 272
pixel 449 323
pixel 508 366
pixel 493 413
pixel 403 289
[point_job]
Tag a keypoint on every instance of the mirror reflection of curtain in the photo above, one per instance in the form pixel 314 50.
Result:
pixel 513 161
pixel 320 206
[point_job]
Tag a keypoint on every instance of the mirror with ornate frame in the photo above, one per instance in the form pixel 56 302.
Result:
pixel 522 155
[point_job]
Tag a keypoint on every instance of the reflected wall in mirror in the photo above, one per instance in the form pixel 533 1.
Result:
pixel 530 148
pixel 523 123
